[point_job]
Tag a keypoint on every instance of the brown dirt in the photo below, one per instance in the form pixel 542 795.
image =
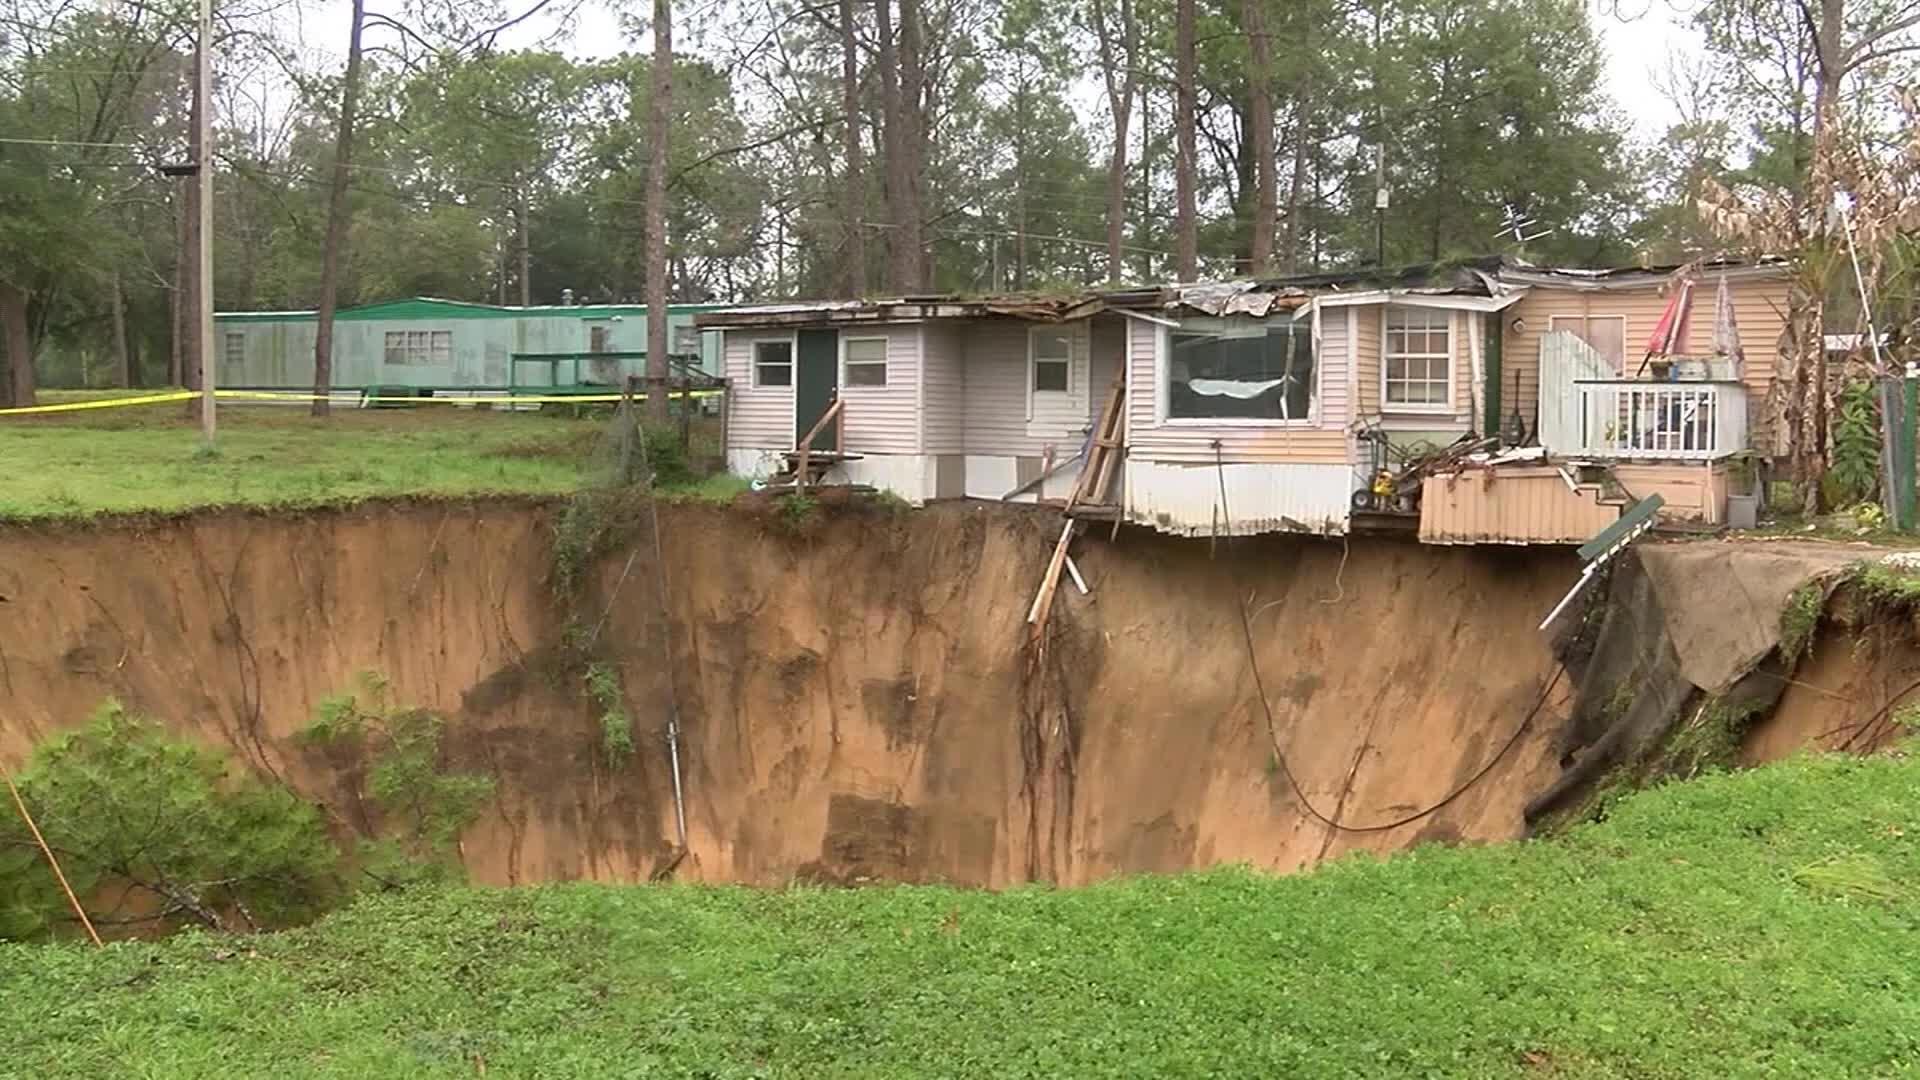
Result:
pixel 856 692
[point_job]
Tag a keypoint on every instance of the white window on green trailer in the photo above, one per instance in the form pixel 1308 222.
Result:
pixel 236 349
pixel 419 347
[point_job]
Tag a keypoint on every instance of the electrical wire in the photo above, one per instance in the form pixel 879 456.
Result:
pixel 1286 768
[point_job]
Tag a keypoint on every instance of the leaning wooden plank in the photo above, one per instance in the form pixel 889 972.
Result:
pixel 1038 480
pixel 1043 599
pixel 1073 572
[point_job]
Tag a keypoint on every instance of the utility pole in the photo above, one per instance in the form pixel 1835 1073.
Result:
pixel 203 176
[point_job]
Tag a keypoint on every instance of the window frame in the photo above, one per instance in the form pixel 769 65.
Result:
pixel 1417 408
pixel 792 342
pixel 417 348
pixel 1552 320
pixel 1163 380
pixel 1034 360
pixel 883 363
pixel 233 348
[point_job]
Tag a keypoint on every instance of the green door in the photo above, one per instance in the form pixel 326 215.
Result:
pixel 816 382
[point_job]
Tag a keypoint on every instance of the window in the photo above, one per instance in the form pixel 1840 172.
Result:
pixel 773 363
pixel 419 347
pixel 686 341
pixel 1052 354
pixel 1241 369
pixel 236 346
pixel 1418 359
pixel 864 361
pixel 1607 334
pixel 598 337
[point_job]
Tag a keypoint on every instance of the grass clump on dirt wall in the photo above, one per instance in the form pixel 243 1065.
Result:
pixel 1758 923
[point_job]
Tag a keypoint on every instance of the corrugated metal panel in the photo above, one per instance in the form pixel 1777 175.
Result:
pixel 1510 506
pixel 1185 500
pixel 885 419
pixel 944 397
pixel 760 417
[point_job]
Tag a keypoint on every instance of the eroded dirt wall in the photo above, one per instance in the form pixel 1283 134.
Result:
pixel 858 698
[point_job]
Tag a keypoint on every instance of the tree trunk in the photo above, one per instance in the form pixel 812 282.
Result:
pixel 1118 76
pixel 892 137
pixel 525 243
pixel 1812 452
pixel 13 312
pixel 1186 227
pixel 659 113
pixel 122 361
pixel 913 87
pixel 337 213
pixel 1260 132
pixel 853 200
pixel 190 262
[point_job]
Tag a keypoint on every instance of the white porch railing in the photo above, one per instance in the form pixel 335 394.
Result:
pixel 1686 421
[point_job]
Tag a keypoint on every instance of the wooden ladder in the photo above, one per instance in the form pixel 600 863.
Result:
pixel 1104 451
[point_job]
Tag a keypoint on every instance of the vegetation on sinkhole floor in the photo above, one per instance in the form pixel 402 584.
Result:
pixel 1753 924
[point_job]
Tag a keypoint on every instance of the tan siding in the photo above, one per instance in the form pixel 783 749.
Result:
pixel 1331 368
pixel 1690 492
pixel 1192 443
pixel 944 396
pixel 758 418
pixel 1510 506
pixel 885 419
pixel 1758 306
pixel 1366 356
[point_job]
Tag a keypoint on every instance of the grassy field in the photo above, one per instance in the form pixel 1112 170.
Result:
pixel 150 458
pixel 1760 924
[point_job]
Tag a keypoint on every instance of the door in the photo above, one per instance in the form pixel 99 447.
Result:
pixel 816 383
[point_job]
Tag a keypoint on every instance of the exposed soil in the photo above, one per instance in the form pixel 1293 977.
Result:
pixel 857 693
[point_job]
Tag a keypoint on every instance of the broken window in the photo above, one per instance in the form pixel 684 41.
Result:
pixel 1241 369
pixel 865 361
pixel 1417 357
pixel 773 363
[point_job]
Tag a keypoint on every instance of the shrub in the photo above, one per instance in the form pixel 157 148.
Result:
pixel 162 827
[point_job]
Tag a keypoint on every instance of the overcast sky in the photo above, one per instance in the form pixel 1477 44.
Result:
pixel 1639 37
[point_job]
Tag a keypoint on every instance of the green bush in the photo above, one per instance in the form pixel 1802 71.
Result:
pixel 1855 474
pixel 154 830
pixel 423 805
pixel 616 727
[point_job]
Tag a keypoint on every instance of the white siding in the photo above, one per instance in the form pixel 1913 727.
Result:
pixel 885 419
pixel 1000 419
pixel 944 396
pixel 759 418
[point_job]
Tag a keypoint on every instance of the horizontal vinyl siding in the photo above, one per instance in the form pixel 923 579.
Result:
pixel 1759 307
pixel 757 418
pixel 1324 444
pixel 944 395
pixel 885 419
pixel 995 352
pixel 1332 360
pixel 1366 357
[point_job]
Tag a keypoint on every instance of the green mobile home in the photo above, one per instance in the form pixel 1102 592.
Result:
pixel 430 343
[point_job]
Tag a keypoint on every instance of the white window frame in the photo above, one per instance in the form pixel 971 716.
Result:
pixel 1581 320
pixel 792 342
pixel 1163 373
pixel 233 348
pixel 1063 397
pixel 1389 406
pixel 418 348
pixel 885 362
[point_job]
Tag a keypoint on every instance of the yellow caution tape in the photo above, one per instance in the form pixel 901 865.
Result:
pixel 109 403
pixel 288 395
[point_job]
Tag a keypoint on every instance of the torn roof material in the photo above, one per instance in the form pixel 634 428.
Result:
pixel 1486 284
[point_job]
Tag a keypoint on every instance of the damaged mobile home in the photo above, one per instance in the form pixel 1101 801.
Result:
pixel 1481 401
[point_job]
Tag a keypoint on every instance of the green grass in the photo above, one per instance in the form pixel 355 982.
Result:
pixel 1754 924
pixel 151 458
